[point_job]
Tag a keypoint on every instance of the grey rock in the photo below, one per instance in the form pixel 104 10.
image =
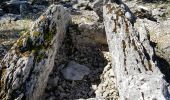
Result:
pixel 17 7
pixel 75 71
pixel 53 81
pixel 1 12
pixel 17 1
pixel 132 58
pixel 92 31
pixel 159 35
pixel 10 17
pixel 26 67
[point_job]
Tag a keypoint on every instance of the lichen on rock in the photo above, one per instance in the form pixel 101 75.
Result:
pixel 136 72
pixel 26 67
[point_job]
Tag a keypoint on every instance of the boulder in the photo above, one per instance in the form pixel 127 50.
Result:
pixel 137 75
pixel 25 68
pixel 16 7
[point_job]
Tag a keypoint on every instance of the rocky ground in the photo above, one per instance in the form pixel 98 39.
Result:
pixel 85 48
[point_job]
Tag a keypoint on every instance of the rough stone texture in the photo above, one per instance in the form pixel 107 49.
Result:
pixel 25 69
pixel 136 74
pixel 159 34
pixel 89 27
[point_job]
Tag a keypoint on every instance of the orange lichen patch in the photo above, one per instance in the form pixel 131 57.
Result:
pixel 110 8
pixel 124 51
pixel 26 54
pixel 119 12
pixel 150 65
pixel 127 27
pixel 20 42
pixel 115 28
pixel 42 18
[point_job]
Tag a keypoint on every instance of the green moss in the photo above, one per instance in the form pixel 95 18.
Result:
pixel 39 57
pixel 21 33
pixel 38 50
pixel 36 33
pixel 20 42
pixel 48 36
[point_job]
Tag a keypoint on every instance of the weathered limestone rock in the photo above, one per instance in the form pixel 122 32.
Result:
pixel 138 78
pixel 25 68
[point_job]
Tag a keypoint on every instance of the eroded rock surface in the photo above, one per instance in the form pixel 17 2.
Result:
pixel 26 67
pixel 136 74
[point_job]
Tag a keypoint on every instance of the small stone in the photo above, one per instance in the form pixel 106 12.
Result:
pixel 75 71
pixel 128 15
pixel 94 87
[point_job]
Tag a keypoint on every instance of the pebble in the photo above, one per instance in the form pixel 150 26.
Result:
pixel 94 87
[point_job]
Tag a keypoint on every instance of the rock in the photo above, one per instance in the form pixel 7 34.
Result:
pixel 92 31
pixel 132 57
pixel 17 7
pixel 159 35
pixel 26 67
pixel 10 17
pixel 75 71
pixel 97 7
pixel 1 12
pixel 81 4
pixel 41 2
pixel 144 12
pixel 53 82
pixel 163 47
pixel 94 87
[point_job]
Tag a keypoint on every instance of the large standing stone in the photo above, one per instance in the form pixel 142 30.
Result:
pixel 25 68
pixel 138 78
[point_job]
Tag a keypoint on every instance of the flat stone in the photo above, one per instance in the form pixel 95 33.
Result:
pixel 75 71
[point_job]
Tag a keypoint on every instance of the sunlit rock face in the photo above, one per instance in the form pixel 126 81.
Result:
pixel 132 57
pixel 25 68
